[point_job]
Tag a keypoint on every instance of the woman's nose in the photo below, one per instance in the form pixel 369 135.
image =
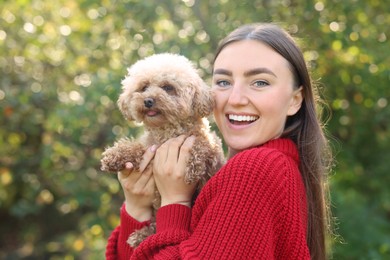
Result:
pixel 238 96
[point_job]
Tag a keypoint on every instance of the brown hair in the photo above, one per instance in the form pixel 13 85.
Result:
pixel 304 128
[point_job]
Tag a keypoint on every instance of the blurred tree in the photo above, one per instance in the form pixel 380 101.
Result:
pixel 61 63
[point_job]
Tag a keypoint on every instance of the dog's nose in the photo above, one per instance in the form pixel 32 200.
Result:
pixel 148 102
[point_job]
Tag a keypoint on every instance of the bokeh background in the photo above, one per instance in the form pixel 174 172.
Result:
pixel 61 63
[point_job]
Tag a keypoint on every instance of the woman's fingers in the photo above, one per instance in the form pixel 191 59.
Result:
pixel 169 151
pixel 125 172
pixel 150 184
pixel 147 157
pixel 172 156
pixel 144 179
pixel 169 169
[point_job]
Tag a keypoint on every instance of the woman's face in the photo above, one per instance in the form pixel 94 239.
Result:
pixel 254 94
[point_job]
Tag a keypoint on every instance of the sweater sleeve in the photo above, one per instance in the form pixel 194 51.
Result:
pixel 117 246
pixel 172 228
pixel 254 208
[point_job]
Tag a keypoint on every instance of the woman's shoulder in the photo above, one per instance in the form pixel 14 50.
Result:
pixel 262 165
pixel 273 152
pixel 256 173
pixel 268 167
pixel 258 166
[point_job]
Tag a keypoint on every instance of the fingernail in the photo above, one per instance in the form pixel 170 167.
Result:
pixel 153 148
pixel 191 139
pixel 129 165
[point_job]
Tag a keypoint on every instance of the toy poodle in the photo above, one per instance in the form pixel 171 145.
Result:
pixel 166 94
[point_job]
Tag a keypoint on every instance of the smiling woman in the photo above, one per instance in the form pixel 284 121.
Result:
pixel 269 81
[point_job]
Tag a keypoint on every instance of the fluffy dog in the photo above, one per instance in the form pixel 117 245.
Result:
pixel 167 95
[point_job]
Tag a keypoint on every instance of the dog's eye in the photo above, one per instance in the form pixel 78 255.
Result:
pixel 168 88
pixel 144 88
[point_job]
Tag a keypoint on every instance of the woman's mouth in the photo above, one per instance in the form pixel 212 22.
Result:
pixel 241 119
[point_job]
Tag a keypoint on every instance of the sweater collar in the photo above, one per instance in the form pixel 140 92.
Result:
pixel 286 146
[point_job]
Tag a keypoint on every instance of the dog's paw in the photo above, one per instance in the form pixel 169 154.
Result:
pixel 114 158
pixel 111 162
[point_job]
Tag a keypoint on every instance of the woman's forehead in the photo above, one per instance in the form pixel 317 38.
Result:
pixel 250 55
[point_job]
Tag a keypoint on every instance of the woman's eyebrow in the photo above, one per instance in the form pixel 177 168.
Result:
pixel 259 71
pixel 247 73
pixel 223 72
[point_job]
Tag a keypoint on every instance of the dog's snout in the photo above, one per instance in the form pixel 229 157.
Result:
pixel 148 102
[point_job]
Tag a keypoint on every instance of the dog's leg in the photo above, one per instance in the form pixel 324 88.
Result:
pixel 114 158
pixel 140 235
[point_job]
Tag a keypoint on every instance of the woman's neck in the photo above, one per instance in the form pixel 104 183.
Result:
pixel 232 152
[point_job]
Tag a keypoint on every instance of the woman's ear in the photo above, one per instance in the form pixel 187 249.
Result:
pixel 296 102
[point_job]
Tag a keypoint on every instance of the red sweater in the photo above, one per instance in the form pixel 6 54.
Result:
pixel 253 208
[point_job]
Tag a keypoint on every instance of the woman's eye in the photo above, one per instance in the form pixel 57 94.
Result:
pixel 260 83
pixel 223 83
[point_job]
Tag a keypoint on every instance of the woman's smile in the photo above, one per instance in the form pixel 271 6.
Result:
pixel 237 119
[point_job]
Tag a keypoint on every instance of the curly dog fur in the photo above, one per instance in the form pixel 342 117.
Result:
pixel 167 95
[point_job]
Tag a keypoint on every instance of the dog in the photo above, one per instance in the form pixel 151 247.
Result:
pixel 165 93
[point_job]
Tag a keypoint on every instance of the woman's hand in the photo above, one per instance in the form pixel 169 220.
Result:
pixel 139 187
pixel 169 170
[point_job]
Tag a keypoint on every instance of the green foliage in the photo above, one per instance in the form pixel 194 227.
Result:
pixel 61 63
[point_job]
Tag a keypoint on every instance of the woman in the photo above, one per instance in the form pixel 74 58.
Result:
pixel 268 201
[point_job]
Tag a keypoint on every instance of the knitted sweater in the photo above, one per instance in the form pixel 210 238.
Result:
pixel 253 208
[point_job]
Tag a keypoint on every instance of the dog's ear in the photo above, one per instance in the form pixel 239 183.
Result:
pixel 203 101
pixel 123 104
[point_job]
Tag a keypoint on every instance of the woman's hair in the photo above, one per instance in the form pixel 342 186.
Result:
pixel 304 128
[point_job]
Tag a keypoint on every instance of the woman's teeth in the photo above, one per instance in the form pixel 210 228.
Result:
pixel 240 118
